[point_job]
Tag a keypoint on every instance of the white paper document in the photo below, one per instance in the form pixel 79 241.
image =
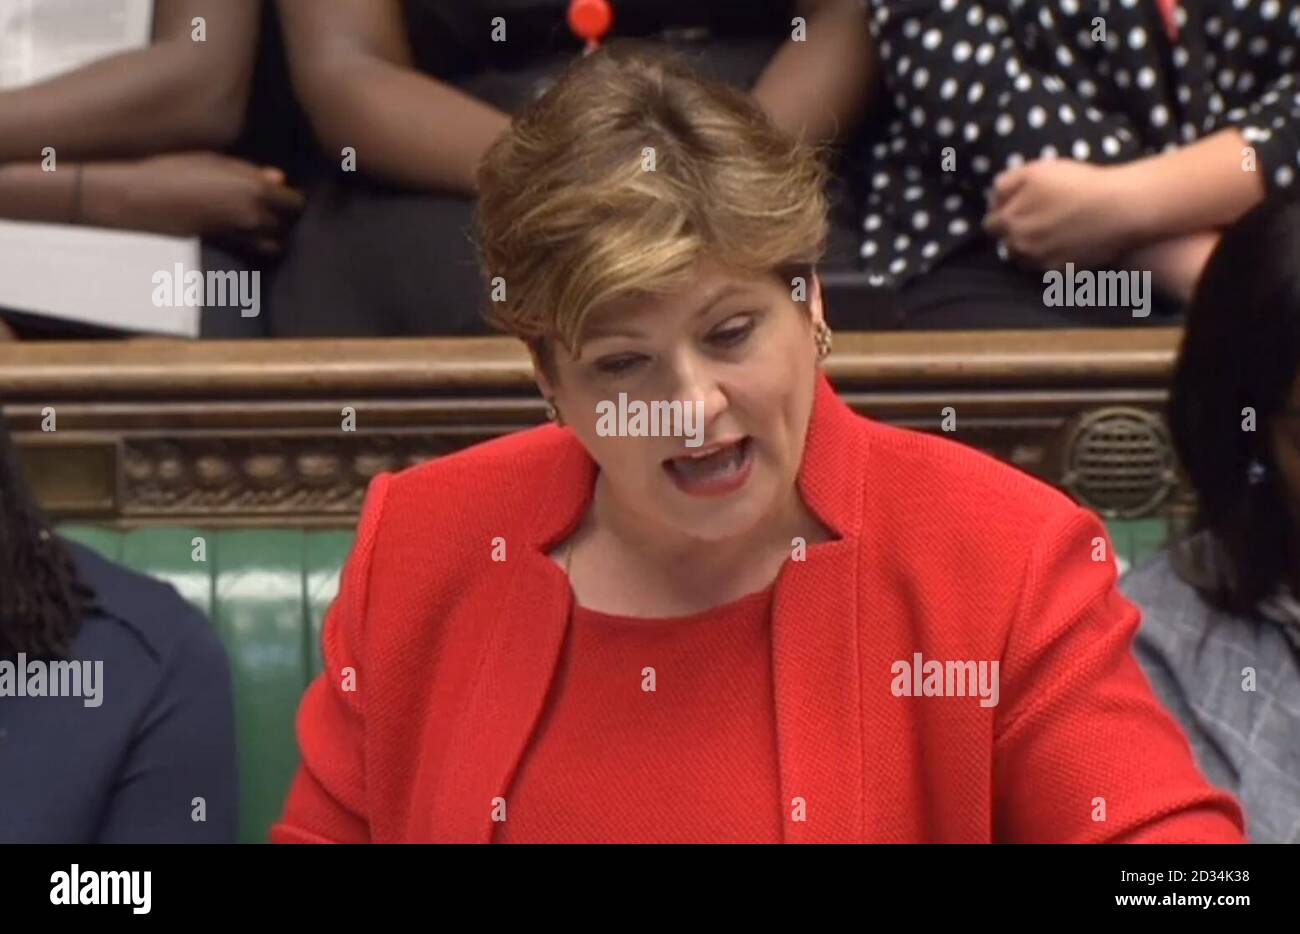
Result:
pixel 43 38
pixel 104 277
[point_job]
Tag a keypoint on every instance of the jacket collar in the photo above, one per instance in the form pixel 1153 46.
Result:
pixel 815 636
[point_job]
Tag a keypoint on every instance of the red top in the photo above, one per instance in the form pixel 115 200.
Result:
pixel 440 656
pixel 692 761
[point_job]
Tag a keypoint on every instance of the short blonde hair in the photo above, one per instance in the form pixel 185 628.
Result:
pixel 570 218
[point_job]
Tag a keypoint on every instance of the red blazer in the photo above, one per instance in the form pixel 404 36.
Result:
pixel 942 550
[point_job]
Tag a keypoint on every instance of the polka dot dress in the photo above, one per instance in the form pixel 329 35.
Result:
pixel 978 86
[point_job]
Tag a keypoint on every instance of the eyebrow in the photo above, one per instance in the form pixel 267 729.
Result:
pixel 599 331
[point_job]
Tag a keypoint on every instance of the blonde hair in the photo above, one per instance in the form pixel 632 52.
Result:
pixel 570 217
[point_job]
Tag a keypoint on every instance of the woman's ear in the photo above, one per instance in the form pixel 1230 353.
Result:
pixel 816 306
pixel 539 370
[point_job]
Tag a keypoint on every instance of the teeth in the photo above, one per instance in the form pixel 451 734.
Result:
pixel 712 452
pixel 718 463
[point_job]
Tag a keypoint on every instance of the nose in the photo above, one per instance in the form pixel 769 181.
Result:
pixel 696 379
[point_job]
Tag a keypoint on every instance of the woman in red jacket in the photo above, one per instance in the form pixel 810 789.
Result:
pixel 711 603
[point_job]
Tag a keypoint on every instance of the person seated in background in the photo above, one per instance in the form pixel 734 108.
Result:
pixel 116 712
pixel 1024 136
pixel 1220 636
pixel 406 97
pixel 721 625
pixel 137 139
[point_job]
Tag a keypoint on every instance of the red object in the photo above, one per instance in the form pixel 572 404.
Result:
pixel 709 726
pixel 942 551
pixel 590 20
pixel 1167 11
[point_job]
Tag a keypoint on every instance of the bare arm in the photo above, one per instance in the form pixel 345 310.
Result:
pixel 28 194
pixel 1182 196
pixel 175 94
pixel 1192 189
pixel 1175 264
pixel 196 194
pixel 1053 211
pixel 819 87
pixel 353 72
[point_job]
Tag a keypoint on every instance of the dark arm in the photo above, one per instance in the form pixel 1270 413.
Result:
pixel 353 71
pixel 201 194
pixel 175 94
pixel 28 194
pixel 819 87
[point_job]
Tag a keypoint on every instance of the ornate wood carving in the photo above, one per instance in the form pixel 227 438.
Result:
pixel 154 430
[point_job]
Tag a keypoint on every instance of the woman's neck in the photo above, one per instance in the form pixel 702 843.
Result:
pixel 697 562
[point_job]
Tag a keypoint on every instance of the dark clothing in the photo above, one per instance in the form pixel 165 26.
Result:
pixel 370 259
pixel 454 38
pixel 127 770
pixel 1005 82
pixel 973 289
pixel 28 325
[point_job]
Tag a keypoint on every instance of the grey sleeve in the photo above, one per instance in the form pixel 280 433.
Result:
pixel 1162 670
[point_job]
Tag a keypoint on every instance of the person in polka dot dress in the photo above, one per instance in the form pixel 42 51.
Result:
pixel 1018 136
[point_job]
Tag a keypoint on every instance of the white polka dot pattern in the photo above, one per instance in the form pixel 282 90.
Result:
pixel 984 85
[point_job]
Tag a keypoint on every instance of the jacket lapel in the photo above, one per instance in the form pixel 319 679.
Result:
pixel 519 663
pixel 815 632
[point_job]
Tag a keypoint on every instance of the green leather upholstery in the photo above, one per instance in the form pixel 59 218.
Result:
pixel 1135 539
pixel 266 591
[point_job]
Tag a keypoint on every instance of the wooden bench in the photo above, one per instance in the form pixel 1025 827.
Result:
pixel 159 431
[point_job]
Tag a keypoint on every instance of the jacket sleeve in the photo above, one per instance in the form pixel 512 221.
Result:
pixel 327 801
pixel 1161 669
pixel 183 751
pixel 959 80
pixel 1083 750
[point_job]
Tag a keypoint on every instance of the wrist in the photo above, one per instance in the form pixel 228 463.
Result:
pixel 1129 186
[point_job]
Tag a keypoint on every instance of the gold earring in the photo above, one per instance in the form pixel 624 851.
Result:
pixel 553 412
pixel 822 337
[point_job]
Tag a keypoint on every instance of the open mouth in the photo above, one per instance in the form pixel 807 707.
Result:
pixel 715 471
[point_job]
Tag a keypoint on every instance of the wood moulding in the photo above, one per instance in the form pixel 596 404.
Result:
pixel 155 430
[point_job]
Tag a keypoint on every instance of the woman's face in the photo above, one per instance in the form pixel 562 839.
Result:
pixel 736 351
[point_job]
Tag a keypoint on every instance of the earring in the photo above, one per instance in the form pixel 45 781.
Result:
pixel 553 412
pixel 822 337
pixel 1255 471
